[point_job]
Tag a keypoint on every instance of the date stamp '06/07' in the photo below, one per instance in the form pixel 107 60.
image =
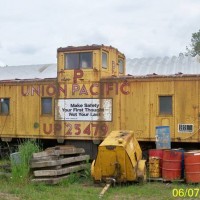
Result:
pixel 186 192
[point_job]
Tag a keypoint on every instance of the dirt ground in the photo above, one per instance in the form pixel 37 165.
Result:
pixel 5 196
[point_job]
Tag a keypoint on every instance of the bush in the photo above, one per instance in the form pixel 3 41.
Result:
pixel 20 168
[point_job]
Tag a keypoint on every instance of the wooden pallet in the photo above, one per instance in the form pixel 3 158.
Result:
pixel 49 181
pixel 55 164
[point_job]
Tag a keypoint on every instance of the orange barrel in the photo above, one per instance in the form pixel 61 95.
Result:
pixel 154 167
pixel 157 153
pixel 172 164
pixel 192 166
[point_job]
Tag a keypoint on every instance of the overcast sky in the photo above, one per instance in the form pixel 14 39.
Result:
pixel 32 30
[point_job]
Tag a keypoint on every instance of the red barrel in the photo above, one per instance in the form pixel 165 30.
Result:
pixel 157 153
pixel 172 164
pixel 192 166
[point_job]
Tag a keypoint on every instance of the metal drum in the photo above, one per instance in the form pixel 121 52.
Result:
pixel 192 166
pixel 172 164
pixel 154 167
pixel 159 154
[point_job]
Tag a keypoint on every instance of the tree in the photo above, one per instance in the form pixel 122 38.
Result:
pixel 195 45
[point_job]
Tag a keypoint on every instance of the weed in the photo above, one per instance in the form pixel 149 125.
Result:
pixel 87 172
pixel 20 164
pixel 40 187
pixel 72 178
pixel 4 177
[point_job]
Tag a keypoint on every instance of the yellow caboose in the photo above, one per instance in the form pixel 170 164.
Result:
pixel 88 95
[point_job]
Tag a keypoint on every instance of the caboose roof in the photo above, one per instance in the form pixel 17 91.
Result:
pixel 84 48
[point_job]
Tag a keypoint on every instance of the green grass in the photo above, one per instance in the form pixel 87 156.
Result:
pixel 20 170
pixel 150 191
pixel 80 188
pixel 30 191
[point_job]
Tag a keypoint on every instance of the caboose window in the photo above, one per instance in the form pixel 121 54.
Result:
pixel 78 60
pixel 104 60
pixel 46 106
pixel 72 61
pixel 4 106
pixel 165 105
pixel 121 66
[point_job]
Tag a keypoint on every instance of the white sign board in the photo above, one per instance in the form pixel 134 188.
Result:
pixel 83 109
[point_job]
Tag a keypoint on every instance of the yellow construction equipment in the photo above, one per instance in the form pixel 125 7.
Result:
pixel 119 159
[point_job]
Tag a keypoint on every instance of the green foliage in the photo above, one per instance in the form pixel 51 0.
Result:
pixel 87 172
pixel 20 169
pixel 40 187
pixel 195 45
pixel 71 179
pixel 78 177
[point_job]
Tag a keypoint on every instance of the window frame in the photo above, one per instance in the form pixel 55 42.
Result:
pixel 121 59
pixel 107 58
pixel 42 109
pixel 169 105
pixel 4 113
pixel 79 60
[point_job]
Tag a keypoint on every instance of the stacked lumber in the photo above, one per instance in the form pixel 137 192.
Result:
pixel 56 163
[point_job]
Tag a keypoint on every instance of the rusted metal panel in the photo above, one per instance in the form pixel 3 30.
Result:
pixel 163 138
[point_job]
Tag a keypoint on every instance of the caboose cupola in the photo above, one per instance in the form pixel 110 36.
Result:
pixel 93 61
